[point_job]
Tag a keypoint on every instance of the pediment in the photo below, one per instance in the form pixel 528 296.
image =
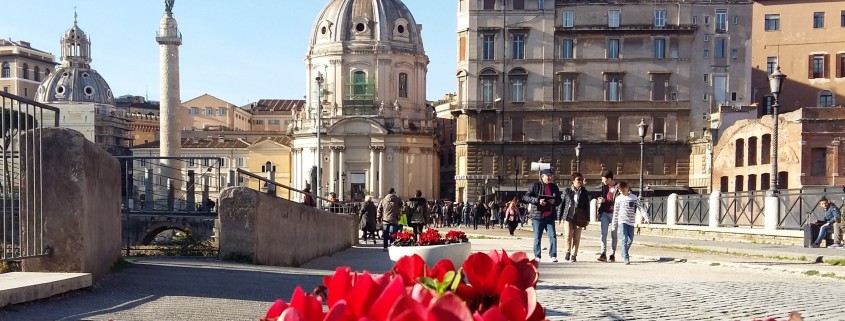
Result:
pixel 357 126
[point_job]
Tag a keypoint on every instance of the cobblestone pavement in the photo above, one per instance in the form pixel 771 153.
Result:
pixel 650 289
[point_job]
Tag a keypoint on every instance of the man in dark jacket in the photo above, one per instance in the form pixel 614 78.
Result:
pixel 831 213
pixel 542 198
pixel 389 210
pixel 417 211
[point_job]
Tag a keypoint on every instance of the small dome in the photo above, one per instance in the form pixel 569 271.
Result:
pixel 367 22
pixel 72 84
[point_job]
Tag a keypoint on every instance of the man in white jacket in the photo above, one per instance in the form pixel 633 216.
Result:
pixel 625 217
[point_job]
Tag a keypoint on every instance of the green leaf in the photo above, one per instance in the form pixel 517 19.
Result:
pixel 429 283
pixel 448 277
pixel 457 280
pixel 442 287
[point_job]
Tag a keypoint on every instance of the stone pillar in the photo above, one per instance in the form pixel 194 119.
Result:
pixel 169 39
pixel 341 169
pixel 771 213
pixel 233 179
pixel 672 210
pixel 190 197
pixel 594 211
pixel 206 181
pixel 332 169
pixel 715 209
pixel 371 176
pixel 381 158
pixel 149 196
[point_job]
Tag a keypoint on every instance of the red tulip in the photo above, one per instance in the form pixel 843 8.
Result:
pixel 449 307
pixel 410 268
pixel 440 269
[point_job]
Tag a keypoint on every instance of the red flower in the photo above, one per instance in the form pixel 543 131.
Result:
pixel 489 274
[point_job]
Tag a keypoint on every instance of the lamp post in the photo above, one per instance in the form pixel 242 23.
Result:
pixel 776 85
pixel 642 128
pixel 343 186
pixel 319 80
pixel 578 158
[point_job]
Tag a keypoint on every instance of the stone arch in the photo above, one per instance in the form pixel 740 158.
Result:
pixel 355 126
pixel 151 232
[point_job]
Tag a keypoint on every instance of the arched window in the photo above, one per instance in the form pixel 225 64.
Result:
pixel 403 85
pixel 766 150
pixel 6 71
pixel 488 77
pixel 25 71
pixel 740 153
pixel 518 79
pixel 47 72
pixel 826 99
pixel 36 74
pixel 752 154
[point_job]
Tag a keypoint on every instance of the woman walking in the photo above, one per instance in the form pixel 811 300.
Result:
pixel 367 215
pixel 512 215
pixel 574 212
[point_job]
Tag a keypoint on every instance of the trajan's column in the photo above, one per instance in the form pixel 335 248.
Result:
pixel 169 40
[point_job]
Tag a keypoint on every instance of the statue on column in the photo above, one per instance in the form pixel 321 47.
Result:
pixel 381 108
pixel 168 6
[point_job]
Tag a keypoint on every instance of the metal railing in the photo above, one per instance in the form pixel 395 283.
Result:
pixel 656 208
pixel 294 195
pixel 193 189
pixel 800 206
pixel 742 209
pixel 693 209
pixel 22 186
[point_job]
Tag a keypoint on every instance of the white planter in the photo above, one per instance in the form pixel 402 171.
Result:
pixel 457 252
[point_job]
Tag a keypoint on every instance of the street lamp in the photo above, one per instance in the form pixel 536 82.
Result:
pixel 775 85
pixel 319 80
pixel 578 158
pixel 642 128
pixel 343 186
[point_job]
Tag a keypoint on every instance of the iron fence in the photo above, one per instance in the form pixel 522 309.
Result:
pixel 22 186
pixel 693 209
pixel 656 208
pixel 742 209
pixel 800 206
pixel 297 195
pixel 155 185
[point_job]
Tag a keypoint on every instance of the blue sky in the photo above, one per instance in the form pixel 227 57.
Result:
pixel 239 51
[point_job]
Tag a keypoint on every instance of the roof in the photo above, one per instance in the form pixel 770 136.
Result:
pixel 221 142
pixel 282 140
pixel 266 106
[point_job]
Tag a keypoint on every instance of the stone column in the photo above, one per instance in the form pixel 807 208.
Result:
pixel 381 180
pixel 340 169
pixel 169 39
pixel 294 174
pixel 333 169
pixel 371 176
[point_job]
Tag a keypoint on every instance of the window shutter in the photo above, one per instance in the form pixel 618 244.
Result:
pixel 839 72
pixel 827 65
pixel 810 68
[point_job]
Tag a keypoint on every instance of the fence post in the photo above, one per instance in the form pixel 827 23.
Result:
pixel 771 212
pixel 672 210
pixel 594 211
pixel 191 190
pixel 715 209
pixel 149 197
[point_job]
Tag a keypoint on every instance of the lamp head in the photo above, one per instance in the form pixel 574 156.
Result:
pixel 319 77
pixel 642 128
pixel 776 81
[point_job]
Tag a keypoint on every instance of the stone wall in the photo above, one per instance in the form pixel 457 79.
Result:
pixel 81 202
pixel 275 231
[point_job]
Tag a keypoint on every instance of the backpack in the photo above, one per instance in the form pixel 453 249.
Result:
pixel 416 213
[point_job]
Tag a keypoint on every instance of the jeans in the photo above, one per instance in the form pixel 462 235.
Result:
pixel 823 233
pixel 389 229
pixel 606 220
pixel 627 240
pixel 548 224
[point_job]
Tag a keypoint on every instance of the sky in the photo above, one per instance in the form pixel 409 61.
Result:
pixel 238 51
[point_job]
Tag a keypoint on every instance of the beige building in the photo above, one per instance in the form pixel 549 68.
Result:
pixel 273 115
pixel 535 78
pixel 22 68
pixel 811 152
pixel 807 40
pixel 207 112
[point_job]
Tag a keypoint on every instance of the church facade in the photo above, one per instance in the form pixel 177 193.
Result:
pixel 365 72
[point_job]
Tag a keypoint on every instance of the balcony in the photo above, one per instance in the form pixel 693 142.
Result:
pixel 627 29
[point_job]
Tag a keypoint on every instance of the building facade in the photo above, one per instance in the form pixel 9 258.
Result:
pixel 84 97
pixel 806 39
pixel 273 115
pixel 207 112
pixel 365 73
pixel 811 152
pixel 22 68
pixel 446 130
pixel 535 78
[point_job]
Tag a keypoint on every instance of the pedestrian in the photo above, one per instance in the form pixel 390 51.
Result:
pixel 605 201
pixel 436 214
pixel 828 223
pixel 625 210
pixel 501 215
pixel 367 215
pixel 467 214
pixel 334 205
pixel 512 215
pixel 417 210
pixel 541 198
pixel 575 214
pixel 388 213
pixel 307 199
pixel 480 212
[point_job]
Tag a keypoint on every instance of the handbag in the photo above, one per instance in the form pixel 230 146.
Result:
pixel 582 218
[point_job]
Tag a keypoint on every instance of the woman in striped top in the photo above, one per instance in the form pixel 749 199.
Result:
pixel 625 217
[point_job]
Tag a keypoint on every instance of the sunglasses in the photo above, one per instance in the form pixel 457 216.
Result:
pixel 579 179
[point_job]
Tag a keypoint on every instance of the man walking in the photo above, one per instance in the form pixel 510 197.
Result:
pixel 388 213
pixel 542 198
pixel 417 213
pixel 605 200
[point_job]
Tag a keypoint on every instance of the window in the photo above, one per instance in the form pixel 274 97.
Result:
pixel 739 159
pixel 659 124
pixel 489 4
pixel 567 88
pixel 488 44
pixel 519 46
pixel 209 111
pixel 6 70
pixel 723 184
pixel 659 18
pixel 706 54
pixel 694 20
pixel 25 71
pixel 359 83
pixel 765 181
pixel 46 72
pixel 768 101
pixel 772 22
pixel 706 78
pixel 660 48
pixel 706 20
pixel 518 90
pixel 566 128
pixel 752 182
pixel 613 17
pixel 221 111
pixel 840 66
pixel 818 159
pixel 462 48
pixel 194 111
pixel 518 4
pixel 721 47
pixel 842 19
pixel 273 122
pixel 771 64
pixel 541 4
pixel 612 123
pixel 612 48
pixel 36 74
pixel 567 49
pixel 487 89
pixel 766 150
pixel 752 151
pixel 659 86
pixel 568 19
pixel 826 99
pixel 613 87
pixel 403 85
pixel 818 66
pixel 734 53
pixel 706 37
pixel 241 162
pixel 721 20
pixel 736 20
pixel 517 134
pixel 818 20
pixel 258 122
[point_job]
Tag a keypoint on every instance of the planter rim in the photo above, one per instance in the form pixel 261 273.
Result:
pixel 428 246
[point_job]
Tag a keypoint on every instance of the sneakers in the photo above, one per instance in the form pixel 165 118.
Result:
pixel 835 246
pixel 573 259
pixel 553 259
pixel 612 258
pixel 566 257
pixel 602 258
pixel 627 262
pixel 384 249
pixel 814 245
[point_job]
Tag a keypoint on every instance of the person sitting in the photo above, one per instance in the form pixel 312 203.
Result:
pixel 826 224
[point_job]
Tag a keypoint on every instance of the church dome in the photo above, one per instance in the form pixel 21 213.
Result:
pixel 367 22
pixel 75 81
